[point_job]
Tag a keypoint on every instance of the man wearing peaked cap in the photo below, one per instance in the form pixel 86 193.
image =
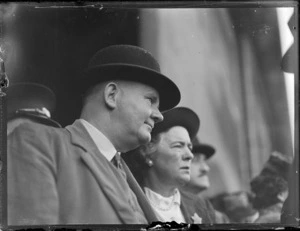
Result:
pixel 30 102
pixel 162 166
pixel 76 175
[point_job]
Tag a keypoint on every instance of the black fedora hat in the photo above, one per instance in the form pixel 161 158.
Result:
pixel 31 100
pixel 127 62
pixel 179 116
pixel 201 148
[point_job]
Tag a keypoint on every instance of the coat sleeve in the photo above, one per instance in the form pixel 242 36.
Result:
pixel 31 183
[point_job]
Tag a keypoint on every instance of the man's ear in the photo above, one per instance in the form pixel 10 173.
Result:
pixel 110 94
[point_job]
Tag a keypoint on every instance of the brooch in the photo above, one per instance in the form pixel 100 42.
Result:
pixel 197 219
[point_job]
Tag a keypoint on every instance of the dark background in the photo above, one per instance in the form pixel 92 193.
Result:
pixel 58 43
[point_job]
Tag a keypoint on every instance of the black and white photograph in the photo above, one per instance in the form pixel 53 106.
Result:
pixel 149 115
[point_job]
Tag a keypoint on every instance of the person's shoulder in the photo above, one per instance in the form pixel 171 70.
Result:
pixel 272 217
pixel 201 205
pixel 187 196
pixel 192 198
pixel 33 129
pixel 269 215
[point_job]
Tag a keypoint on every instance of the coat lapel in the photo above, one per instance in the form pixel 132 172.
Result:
pixel 191 212
pixel 186 213
pixel 143 201
pixel 109 179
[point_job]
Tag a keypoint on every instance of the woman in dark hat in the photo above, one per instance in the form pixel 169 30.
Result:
pixel 270 188
pixel 163 166
pixel 270 193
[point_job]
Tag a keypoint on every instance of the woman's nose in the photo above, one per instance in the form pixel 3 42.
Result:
pixel 188 155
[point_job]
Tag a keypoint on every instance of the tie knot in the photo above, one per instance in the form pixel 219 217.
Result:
pixel 117 160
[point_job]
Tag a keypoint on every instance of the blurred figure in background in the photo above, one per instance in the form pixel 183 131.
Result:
pixel 270 194
pixel 199 169
pixel 164 166
pixel 271 188
pixel 29 102
pixel 290 209
pixel 237 206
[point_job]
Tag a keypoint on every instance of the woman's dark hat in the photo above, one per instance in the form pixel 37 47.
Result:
pixel 278 164
pixel 179 116
pixel 31 100
pixel 201 148
pixel 127 62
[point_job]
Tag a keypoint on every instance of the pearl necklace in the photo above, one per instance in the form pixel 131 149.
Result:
pixel 159 207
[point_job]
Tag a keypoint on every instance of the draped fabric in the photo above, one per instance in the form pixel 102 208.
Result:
pixel 226 63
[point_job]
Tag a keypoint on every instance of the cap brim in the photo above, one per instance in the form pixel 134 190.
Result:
pixel 39 118
pixel 168 91
pixel 205 149
pixel 179 116
pixel 29 95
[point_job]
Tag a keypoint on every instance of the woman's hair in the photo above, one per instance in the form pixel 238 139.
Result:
pixel 266 189
pixel 136 160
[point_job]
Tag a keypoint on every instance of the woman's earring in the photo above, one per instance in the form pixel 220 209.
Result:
pixel 149 162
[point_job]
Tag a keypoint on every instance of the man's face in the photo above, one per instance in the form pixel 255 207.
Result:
pixel 199 169
pixel 138 112
pixel 173 156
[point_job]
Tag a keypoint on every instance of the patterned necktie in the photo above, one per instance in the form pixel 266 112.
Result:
pixel 144 209
pixel 117 162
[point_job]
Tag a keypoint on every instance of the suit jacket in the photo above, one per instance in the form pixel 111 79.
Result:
pixel 58 176
pixel 196 210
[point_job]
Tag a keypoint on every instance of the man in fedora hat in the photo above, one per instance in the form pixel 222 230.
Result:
pixel 163 165
pixel 74 175
pixel 29 102
pixel 199 168
pixel 199 179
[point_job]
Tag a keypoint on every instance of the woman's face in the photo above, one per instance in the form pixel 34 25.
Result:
pixel 173 156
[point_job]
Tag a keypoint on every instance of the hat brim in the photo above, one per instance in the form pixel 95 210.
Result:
pixel 179 116
pixel 168 91
pixel 39 118
pixel 205 149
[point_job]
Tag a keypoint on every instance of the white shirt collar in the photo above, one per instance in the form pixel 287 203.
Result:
pixel 161 200
pixel 102 142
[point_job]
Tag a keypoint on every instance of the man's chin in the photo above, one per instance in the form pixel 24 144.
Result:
pixel 144 139
pixel 203 186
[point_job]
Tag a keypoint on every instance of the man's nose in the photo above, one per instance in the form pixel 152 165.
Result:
pixel 157 116
pixel 205 167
